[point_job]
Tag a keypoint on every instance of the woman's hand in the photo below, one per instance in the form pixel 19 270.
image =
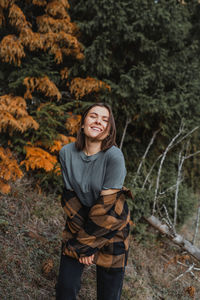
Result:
pixel 87 260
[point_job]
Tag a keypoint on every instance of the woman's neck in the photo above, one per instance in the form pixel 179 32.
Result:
pixel 92 147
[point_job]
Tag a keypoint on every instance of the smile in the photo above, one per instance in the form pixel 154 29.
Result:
pixel 96 129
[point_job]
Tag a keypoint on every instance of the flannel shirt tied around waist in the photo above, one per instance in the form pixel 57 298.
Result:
pixel 102 230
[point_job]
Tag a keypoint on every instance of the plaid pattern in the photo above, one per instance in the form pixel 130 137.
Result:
pixel 102 230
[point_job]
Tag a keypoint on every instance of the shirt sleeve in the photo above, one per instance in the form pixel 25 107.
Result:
pixel 115 172
pixel 62 160
pixel 108 216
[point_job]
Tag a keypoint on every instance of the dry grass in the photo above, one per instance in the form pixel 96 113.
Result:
pixel 30 230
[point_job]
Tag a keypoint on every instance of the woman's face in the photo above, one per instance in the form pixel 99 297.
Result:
pixel 97 123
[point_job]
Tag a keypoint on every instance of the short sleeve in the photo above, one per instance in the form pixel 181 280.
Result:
pixel 115 171
pixel 63 157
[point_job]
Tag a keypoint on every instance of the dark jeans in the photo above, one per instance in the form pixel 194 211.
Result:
pixel 109 281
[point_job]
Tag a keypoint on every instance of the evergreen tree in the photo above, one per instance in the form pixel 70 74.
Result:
pixel 143 50
pixel 38 47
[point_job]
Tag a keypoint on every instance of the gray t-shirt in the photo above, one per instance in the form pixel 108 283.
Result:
pixel 88 175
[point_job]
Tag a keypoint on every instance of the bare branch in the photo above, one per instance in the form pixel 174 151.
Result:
pixel 161 164
pixel 146 152
pixel 186 135
pixel 152 167
pixel 180 263
pixel 158 158
pixel 187 271
pixel 194 276
pixel 169 222
pixel 197 226
pixel 169 189
pixel 180 165
pixel 193 154
pixel 128 120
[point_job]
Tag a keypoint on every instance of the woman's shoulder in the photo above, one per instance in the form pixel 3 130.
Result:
pixel 114 151
pixel 67 148
pixel 115 162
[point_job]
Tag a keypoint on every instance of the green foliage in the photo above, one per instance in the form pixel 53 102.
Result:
pixel 143 51
pixel 50 182
pixel 148 52
pixel 51 118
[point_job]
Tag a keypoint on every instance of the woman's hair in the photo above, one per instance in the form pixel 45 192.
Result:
pixel 109 141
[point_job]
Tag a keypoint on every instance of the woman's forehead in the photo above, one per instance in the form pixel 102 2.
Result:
pixel 101 111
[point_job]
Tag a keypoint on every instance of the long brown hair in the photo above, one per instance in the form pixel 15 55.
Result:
pixel 109 141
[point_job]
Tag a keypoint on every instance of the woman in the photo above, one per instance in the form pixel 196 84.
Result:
pixel 97 225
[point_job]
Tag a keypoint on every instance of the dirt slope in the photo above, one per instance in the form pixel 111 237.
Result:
pixel 30 231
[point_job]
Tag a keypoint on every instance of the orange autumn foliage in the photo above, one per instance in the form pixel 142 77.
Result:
pixel 11 49
pixel 72 123
pixel 6 3
pixel 9 170
pixel 17 18
pixel 55 33
pixel 4 187
pixel 60 142
pixel 65 3
pixel 42 84
pixel 176 258
pixel 57 9
pixel 64 73
pixel 66 139
pixel 191 291
pixel 14 115
pixel 71 45
pixel 32 40
pixel 81 87
pixel 37 158
pixel 47 266
pixel 48 24
pixel 2 18
pixel 39 2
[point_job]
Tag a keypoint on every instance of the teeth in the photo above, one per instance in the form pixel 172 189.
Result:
pixel 97 129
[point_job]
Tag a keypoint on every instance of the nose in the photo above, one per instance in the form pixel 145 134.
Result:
pixel 98 120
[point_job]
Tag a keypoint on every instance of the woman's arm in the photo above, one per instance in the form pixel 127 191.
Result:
pixel 105 218
pixel 89 260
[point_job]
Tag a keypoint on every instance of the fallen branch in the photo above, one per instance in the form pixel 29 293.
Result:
pixel 174 237
pixel 187 271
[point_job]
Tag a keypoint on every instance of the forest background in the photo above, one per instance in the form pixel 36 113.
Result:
pixel 141 57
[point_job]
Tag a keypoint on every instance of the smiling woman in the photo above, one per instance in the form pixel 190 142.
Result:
pixel 96 128
pixel 97 225
pixel 97 116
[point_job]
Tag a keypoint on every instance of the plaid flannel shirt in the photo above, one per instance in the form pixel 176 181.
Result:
pixel 102 230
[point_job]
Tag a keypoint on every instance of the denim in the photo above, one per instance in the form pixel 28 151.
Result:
pixel 109 281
